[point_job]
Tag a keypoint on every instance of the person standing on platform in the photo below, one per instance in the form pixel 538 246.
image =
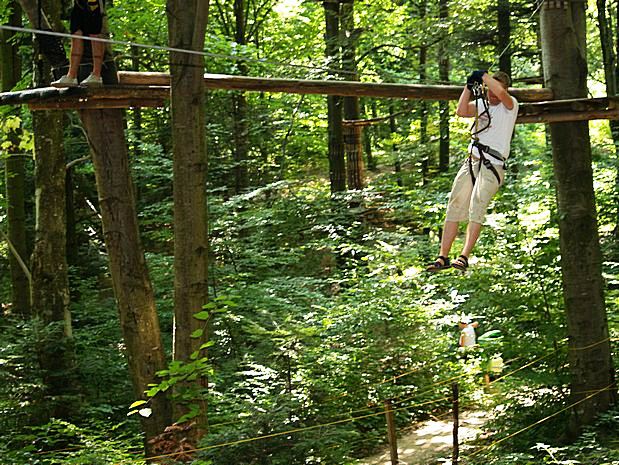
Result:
pixel 86 20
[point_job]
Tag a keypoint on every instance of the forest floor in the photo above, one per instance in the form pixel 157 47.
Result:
pixel 430 440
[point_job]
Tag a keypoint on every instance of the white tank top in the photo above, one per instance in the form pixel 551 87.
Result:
pixel 498 135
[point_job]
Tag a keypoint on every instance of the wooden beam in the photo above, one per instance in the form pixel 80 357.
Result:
pixel 342 88
pixel 554 111
pixel 94 104
pixel 47 98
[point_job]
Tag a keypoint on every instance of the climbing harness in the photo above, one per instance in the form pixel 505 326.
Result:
pixel 480 95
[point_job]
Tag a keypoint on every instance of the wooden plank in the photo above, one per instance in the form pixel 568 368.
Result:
pixel 94 103
pixel 43 95
pixel 342 88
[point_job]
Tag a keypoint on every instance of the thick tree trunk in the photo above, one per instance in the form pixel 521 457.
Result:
pixel 352 135
pixel 132 286
pixel 187 21
pixel 444 114
pixel 15 174
pixel 565 72
pixel 50 281
pixel 240 113
pixel 504 36
pixel 337 164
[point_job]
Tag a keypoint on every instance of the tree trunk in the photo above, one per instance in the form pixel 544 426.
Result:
pixel 15 174
pixel 565 72
pixel 444 114
pixel 187 21
pixel 337 165
pixel 504 36
pixel 240 113
pixel 50 281
pixel 609 57
pixel 393 130
pixel 352 135
pixel 132 286
pixel 423 105
pixel 136 111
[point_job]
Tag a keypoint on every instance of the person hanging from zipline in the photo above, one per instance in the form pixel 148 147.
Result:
pixel 483 172
pixel 86 20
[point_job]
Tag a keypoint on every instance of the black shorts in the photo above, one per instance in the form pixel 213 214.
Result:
pixel 86 16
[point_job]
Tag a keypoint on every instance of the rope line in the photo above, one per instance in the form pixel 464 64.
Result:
pixel 281 433
pixel 172 49
pixel 540 421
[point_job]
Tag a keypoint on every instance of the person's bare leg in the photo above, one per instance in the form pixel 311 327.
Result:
pixel 98 49
pixel 450 232
pixel 77 50
pixel 472 234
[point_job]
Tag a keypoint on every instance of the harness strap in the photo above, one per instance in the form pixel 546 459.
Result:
pixel 482 149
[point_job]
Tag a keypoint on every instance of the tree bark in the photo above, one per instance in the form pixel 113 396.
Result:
pixel 50 281
pixel 565 72
pixel 423 106
pixel 187 21
pixel 609 57
pixel 337 164
pixel 444 114
pixel 132 286
pixel 15 173
pixel 504 37
pixel 352 136
pixel 239 103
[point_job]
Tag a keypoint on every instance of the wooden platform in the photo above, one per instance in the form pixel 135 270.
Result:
pixel 153 89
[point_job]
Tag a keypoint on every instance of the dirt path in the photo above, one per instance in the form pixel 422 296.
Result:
pixel 429 440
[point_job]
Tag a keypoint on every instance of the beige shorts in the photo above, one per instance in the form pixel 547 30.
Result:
pixel 468 201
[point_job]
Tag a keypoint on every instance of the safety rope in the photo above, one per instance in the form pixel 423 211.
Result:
pixel 541 421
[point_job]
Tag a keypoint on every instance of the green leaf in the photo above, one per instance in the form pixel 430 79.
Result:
pixel 137 402
pixel 202 316
pixel 197 333
pixel 207 344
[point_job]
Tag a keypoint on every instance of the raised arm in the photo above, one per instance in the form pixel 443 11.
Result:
pixel 497 89
pixel 466 108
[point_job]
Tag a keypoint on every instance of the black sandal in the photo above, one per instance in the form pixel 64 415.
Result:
pixel 441 263
pixel 461 263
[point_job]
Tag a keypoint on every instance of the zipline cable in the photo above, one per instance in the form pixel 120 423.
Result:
pixel 172 49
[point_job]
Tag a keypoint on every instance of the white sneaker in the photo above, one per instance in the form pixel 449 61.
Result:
pixel 92 81
pixel 65 81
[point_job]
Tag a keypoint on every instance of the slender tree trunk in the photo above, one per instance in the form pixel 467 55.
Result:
pixel 565 72
pixel 240 110
pixel 337 165
pixel 352 134
pixel 393 130
pixel 504 37
pixel 444 113
pixel 609 57
pixel 15 173
pixel 187 21
pixel 423 105
pixel 136 111
pixel 132 286
pixel 367 144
